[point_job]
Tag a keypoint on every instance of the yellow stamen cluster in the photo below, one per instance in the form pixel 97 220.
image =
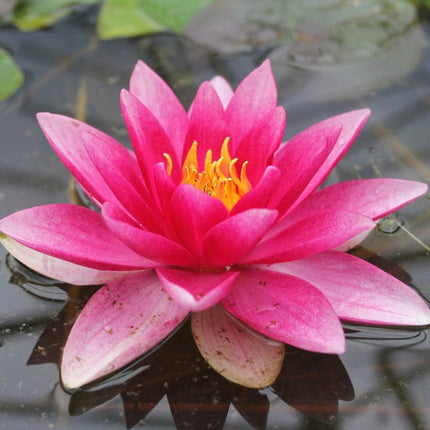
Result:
pixel 219 178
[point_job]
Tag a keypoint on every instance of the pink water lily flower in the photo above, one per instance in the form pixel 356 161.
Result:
pixel 212 215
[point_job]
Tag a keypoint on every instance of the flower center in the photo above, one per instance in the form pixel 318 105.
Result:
pixel 219 178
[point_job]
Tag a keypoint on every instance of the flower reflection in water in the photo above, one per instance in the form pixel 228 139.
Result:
pixel 199 397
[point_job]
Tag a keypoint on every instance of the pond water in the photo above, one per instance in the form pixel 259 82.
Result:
pixel 383 379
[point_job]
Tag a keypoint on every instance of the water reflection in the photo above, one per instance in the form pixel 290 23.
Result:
pixel 198 397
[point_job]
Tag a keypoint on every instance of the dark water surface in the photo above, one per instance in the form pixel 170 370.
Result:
pixel 383 379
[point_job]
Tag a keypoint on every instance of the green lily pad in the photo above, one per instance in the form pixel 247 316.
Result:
pixel 11 77
pixel 34 14
pixel 127 18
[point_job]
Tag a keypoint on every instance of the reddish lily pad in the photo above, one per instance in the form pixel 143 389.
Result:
pixel 6 7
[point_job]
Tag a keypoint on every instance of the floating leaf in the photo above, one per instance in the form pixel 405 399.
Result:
pixel 6 7
pixel 34 14
pixel 237 26
pixel 321 50
pixel 329 31
pixel 126 18
pixel 339 34
pixel 234 350
pixel 11 77
pixel 365 49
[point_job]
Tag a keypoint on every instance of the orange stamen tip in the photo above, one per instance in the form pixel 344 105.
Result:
pixel 219 178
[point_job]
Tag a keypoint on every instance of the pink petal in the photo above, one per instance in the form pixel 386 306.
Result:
pixel 287 309
pixel 374 198
pixel 148 138
pixel 223 89
pixel 231 239
pixel 254 98
pixel 159 99
pixel 359 291
pixel 351 123
pixel 259 195
pixel 61 270
pixel 150 245
pixel 317 233
pixel 121 322
pixel 234 350
pixel 196 291
pixel 74 234
pixel 165 186
pixel 193 213
pixel 353 242
pixel 114 165
pixel 258 146
pixel 206 125
pixel 66 136
pixel 299 160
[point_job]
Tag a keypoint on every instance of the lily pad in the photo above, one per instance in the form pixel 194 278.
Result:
pixel 126 18
pixel 6 7
pixel 319 50
pixel 34 14
pixel 11 76
pixel 341 33
pixel 238 26
pixel 329 31
pixel 350 54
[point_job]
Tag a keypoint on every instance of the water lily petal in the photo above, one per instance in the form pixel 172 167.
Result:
pixel 374 198
pixel 258 146
pixel 193 213
pixel 232 238
pixel 196 291
pixel 165 187
pixel 286 308
pixel 113 163
pixel 161 101
pixel 206 125
pixel 72 233
pixel 351 123
pixel 61 270
pixel 259 195
pixel 253 99
pixel 66 136
pixel 223 89
pixel 317 233
pixel 149 139
pixel 353 242
pixel 235 351
pixel 298 160
pixel 121 321
pixel 150 245
pixel 359 291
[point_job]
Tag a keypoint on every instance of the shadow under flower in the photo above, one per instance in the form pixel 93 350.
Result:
pixel 198 396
